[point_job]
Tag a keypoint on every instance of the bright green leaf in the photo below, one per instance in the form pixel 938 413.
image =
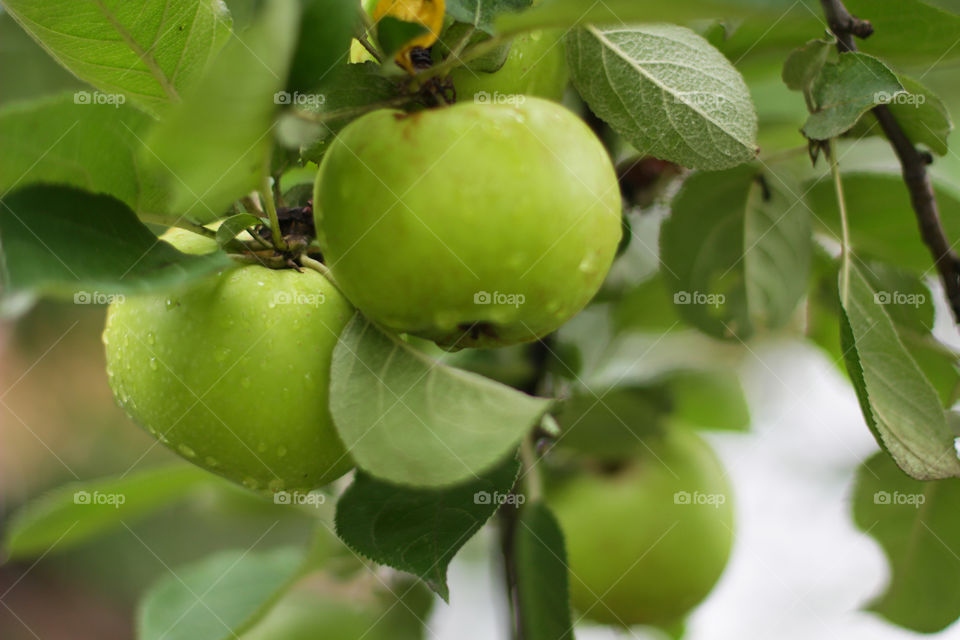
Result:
pixel 413 421
pixel 149 51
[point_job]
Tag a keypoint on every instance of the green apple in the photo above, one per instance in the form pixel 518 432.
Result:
pixel 472 225
pixel 535 66
pixel 646 544
pixel 233 372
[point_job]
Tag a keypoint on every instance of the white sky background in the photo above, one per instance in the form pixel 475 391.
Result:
pixel 800 569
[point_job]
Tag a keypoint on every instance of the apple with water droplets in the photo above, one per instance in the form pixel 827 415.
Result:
pixel 474 225
pixel 233 372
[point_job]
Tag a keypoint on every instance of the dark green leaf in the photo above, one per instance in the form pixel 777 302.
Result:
pixel 149 51
pixel 62 241
pixel 233 226
pixel 736 251
pixel 845 90
pixel 900 405
pixel 920 113
pixel 394 34
pixel 667 91
pixel 76 512
pixel 612 424
pixel 411 420
pixel 918 525
pixel 419 530
pixel 323 44
pixel 543 592
pixel 219 597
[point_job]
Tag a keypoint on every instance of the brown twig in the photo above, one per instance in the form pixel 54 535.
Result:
pixel 913 162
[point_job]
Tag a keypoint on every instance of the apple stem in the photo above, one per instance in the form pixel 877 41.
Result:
pixel 266 195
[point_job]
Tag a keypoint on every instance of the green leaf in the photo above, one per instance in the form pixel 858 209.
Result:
pixel 340 97
pixel 736 251
pixel 900 405
pixel 543 591
pixel 149 51
pixel 61 241
pixel 420 530
pixel 570 13
pixel 882 224
pixel 413 421
pixel 483 13
pixel 921 114
pixel 845 90
pixel 74 513
pixel 214 147
pixel 323 44
pixel 233 226
pixel 394 34
pixel 804 64
pixel 219 597
pixel 917 524
pixel 667 91
pixel 91 146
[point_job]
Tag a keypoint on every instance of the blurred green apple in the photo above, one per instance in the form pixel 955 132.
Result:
pixel 233 372
pixel 472 225
pixel 647 543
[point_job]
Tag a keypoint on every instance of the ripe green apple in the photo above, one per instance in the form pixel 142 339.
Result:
pixel 233 373
pixel 471 225
pixel 535 66
pixel 648 543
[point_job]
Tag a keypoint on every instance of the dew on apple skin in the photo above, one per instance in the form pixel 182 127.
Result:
pixel 588 264
pixel 281 451
pixel 276 485
pixel 169 303
pixel 210 461
pixel 153 364
pixel 262 447
pixel 221 354
pixel 250 483
pixel 151 339
pixel 186 451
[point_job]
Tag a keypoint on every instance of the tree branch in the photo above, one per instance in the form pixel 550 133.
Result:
pixel 913 162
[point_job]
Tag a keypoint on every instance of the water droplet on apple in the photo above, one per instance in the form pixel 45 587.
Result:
pixel 276 485
pixel 262 447
pixel 153 364
pixel 210 461
pixel 186 451
pixel 250 483
pixel 281 451
pixel 151 339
